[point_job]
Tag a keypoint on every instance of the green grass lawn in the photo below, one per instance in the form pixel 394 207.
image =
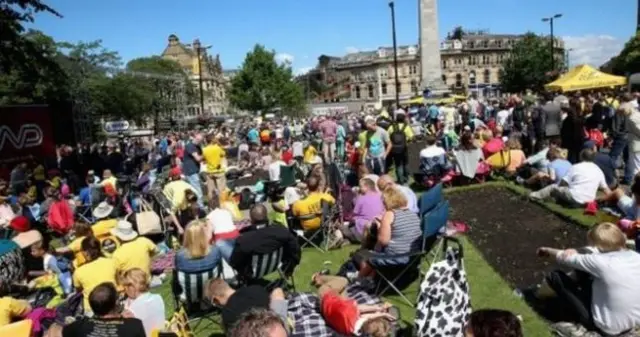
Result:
pixel 488 289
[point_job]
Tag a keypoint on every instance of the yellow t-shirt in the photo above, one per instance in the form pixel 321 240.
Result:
pixel 135 254
pixel 309 206
pixel 408 130
pixel 11 308
pixel 76 247
pixel 279 217
pixel 113 181
pixel 499 160
pixel 38 173
pixel 175 191
pixel 310 154
pixel 91 274
pixel 213 157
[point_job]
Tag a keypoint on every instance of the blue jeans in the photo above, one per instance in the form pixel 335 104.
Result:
pixel 225 247
pixel 619 149
pixel 375 165
pixel 194 180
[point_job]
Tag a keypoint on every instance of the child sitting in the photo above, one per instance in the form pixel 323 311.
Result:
pixel 80 230
pixel 347 317
pixel 41 249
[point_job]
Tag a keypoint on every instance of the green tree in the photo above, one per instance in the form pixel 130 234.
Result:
pixel 264 85
pixel 122 96
pixel 166 81
pixel 529 65
pixel 628 61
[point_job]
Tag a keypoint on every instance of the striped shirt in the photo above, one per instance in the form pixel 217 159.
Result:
pixel 406 235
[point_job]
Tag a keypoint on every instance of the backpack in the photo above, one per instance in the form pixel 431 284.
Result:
pixel 375 145
pixel 247 199
pixel 398 139
pixel 60 217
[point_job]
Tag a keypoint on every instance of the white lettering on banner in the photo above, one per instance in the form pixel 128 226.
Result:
pixel 29 135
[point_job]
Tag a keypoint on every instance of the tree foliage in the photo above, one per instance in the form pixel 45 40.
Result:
pixel 529 65
pixel 628 61
pixel 264 85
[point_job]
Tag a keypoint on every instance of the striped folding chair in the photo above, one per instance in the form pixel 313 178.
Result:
pixel 264 265
pixel 189 291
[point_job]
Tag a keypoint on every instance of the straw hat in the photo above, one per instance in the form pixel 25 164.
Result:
pixel 103 210
pixel 124 231
pixel 27 238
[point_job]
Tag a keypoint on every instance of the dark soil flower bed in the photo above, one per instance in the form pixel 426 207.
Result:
pixel 508 229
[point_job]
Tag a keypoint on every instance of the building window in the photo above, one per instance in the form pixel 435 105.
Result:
pixel 485 44
pixel 383 73
pixel 384 88
pixel 414 86
pixel 487 76
pixel 499 43
pixel 470 45
pixel 444 78
pixel 399 87
pixel 472 78
pixel 458 80
pixel 413 69
pixel 444 64
pixel 357 91
pixel 370 89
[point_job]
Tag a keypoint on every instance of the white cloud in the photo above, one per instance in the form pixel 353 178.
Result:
pixel 592 49
pixel 302 71
pixel 284 58
pixel 351 50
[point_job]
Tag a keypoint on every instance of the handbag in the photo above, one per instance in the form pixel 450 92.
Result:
pixel 444 304
pixel 147 220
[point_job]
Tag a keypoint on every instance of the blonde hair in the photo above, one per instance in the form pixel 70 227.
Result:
pixel 377 327
pixel 486 135
pixel 513 144
pixel 136 278
pixel 607 237
pixel 195 239
pixel 392 199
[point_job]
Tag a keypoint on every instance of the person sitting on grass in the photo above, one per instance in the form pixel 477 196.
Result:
pixel 607 302
pixel 259 322
pixel 135 251
pixel 493 323
pixel 344 315
pixel 555 171
pixel 11 308
pixel 140 303
pixel 107 319
pixel 368 205
pixel 579 186
pixel 235 303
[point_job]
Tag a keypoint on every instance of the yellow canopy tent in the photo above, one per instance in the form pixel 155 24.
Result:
pixel 441 100
pixel 584 77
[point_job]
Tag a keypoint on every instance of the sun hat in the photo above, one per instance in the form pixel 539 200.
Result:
pixel 27 238
pixel 102 210
pixel 124 231
pixel 369 119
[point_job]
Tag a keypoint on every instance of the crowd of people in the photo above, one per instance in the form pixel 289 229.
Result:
pixel 94 223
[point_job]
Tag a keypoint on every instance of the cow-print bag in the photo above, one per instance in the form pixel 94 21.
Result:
pixel 444 305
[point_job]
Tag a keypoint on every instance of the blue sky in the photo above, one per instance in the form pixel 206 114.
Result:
pixel 302 30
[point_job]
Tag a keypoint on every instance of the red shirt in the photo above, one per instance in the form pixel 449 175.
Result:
pixel 340 314
pixel 492 146
pixel 287 156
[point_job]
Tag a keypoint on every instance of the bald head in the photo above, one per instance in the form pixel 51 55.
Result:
pixel 384 182
pixel 258 214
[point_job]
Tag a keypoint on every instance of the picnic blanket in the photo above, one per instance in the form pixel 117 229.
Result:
pixel 304 308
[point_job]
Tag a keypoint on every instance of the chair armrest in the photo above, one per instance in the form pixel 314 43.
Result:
pixel 400 256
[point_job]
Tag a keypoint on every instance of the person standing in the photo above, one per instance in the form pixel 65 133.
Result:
pixel 191 165
pixel 214 157
pixel 329 129
pixel 400 133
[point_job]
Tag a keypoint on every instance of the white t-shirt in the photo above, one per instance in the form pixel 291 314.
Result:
pixel 584 180
pixel 615 303
pixel 501 117
pixel 221 221
pixel 297 149
pixel 431 151
pixel 149 308
pixel 274 170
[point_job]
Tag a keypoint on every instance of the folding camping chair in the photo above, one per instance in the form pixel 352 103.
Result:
pixel 430 199
pixel 433 224
pixel 189 293
pixel 263 265
pixel 322 233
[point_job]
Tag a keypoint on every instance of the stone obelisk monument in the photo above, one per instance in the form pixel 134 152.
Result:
pixel 431 73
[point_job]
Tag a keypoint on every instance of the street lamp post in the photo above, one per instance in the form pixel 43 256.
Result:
pixel 199 52
pixel 395 52
pixel 567 56
pixel 552 42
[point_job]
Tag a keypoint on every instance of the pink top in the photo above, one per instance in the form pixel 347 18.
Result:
pixel 329 130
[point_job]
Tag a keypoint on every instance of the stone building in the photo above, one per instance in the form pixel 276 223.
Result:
pixel 214 84
pixel 470 64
